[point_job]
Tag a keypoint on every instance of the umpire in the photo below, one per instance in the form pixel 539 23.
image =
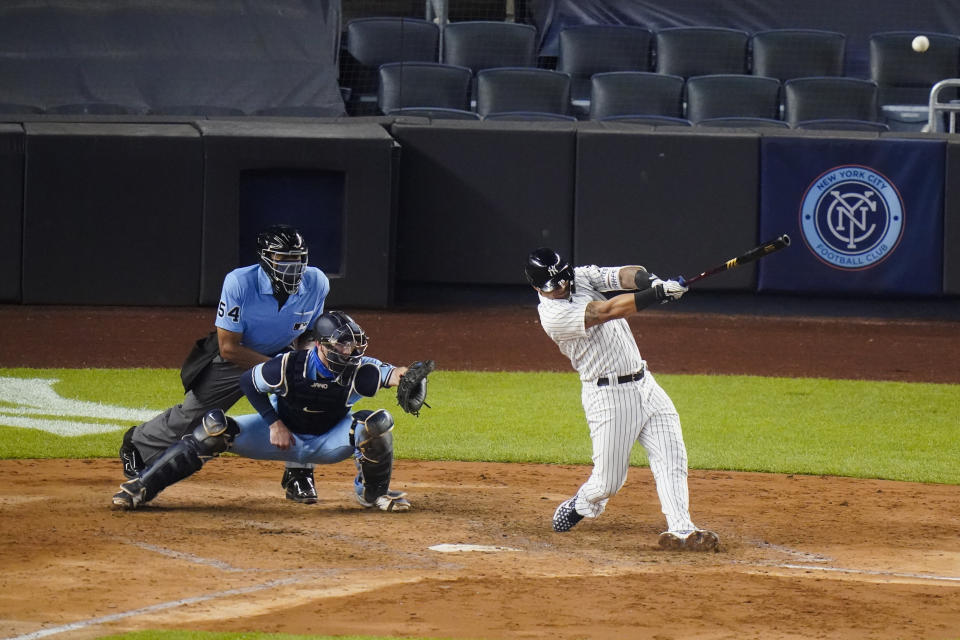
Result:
pixel 264 309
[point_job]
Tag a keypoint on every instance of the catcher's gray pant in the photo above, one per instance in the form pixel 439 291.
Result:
pixel 217 387
pixel 618 416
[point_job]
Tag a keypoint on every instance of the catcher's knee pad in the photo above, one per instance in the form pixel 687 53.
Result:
pixel 373 439
pixel 371 434
pixel 215 433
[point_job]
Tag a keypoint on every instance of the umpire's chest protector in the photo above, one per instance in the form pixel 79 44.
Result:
pixel 310 406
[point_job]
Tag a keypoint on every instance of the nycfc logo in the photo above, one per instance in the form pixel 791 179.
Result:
pixel 851 217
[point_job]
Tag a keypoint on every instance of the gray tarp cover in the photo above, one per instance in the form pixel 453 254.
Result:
pixel 248 54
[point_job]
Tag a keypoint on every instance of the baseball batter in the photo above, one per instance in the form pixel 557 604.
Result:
pixel 622 401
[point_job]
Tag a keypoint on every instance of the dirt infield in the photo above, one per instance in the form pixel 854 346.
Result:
pixel 802 557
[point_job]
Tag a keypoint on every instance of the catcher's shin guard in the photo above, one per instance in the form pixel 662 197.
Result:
pixel 371 436
pixel 209 439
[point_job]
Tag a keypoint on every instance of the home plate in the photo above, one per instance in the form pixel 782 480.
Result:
pixel 457 548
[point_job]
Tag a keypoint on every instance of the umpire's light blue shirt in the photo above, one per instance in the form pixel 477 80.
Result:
pixel 247 306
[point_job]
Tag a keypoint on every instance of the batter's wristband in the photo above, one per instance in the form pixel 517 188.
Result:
pixel 645 298
pixel 642 279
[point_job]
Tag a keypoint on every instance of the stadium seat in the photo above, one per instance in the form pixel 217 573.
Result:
pixel 785 54
pixel 904 77
pixel 649 120
pixel 483 44
pixel 732 95
pixel 486 44
pixel 743 123
pixel 623 93
pixel 435 113
pixel 529 116
pixel 423 84
pixel 588 49
pixel 830 97
pixel 842 124
pixel 522 89
pixel 698 51
pixel 369 43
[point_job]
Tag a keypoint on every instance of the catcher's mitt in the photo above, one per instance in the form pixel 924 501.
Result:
pixel 412 388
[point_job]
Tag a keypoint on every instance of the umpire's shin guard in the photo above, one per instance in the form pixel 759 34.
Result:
pixel 182 459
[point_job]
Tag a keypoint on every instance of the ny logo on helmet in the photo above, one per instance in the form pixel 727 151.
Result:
pixel 552 270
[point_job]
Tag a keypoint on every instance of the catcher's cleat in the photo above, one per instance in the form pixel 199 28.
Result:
pixel 130 496
pixel 299 486
pixel 566 516
pixel 695 540
pixel 390 501
pixel 130 457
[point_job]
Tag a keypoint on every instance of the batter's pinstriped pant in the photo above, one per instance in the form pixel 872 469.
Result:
pixel 620 415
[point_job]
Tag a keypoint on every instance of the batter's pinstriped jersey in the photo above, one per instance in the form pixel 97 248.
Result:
pixel 603 350
pixel 618 415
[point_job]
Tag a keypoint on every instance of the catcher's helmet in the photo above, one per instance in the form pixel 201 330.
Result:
pixel 343 341
pixel 547 270
pixel 282 252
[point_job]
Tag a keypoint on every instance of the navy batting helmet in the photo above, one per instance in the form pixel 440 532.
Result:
pixel 547 270
pixel 282 252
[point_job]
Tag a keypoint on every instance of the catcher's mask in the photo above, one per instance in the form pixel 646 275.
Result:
pixel 547 270
pixel 342 340
pixel 282 252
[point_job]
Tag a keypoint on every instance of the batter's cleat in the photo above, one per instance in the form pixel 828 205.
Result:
pixel 695 540
pixel 130 457
pixel 130 496
pixel 566 516
pixel 390 501
pixel 299 486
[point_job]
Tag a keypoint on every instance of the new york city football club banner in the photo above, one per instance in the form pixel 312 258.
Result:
pixel 864 216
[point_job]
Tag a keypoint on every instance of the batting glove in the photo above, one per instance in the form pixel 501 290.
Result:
pixel 668 290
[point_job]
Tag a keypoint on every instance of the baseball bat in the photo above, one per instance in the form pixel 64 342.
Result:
pixel 753 254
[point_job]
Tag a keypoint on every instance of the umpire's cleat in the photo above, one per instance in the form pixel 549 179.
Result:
pixel 130 457
pixel 130 496
pixel 566 516
pixel 299 486
pixel 695 540
pixel 390 501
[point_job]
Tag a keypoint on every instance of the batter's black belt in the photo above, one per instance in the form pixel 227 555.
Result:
pixel 630 377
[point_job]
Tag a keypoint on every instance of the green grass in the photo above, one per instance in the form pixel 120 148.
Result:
pixel 891 430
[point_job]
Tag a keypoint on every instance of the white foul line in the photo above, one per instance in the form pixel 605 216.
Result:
pixel 188 557
pixel 157 607
pixel 889 574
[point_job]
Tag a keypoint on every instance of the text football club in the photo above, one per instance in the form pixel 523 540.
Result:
pixel 851 217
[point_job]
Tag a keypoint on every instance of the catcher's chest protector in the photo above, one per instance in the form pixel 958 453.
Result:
pixel 310 406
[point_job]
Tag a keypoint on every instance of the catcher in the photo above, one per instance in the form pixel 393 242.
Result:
pixel 304 400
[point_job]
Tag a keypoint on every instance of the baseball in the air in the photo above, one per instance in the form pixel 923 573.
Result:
pixel 920 44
